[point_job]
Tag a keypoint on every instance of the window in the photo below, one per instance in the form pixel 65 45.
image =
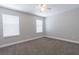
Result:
pixel 10 25
pixel 39 26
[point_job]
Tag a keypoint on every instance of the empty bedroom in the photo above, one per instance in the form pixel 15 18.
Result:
pixel 39 29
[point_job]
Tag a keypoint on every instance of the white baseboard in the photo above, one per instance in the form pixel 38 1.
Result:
pixel 17 42
pixel 34 38
pixel 77 42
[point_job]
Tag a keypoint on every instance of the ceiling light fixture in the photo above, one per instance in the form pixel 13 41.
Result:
pixel 43 7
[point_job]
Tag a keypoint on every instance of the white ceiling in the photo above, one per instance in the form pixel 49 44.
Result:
pixel 33 8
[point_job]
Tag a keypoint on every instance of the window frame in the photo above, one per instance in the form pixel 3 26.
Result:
pixel 37 31
pixel 13 35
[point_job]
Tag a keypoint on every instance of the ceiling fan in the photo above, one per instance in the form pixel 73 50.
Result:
pixel 43 7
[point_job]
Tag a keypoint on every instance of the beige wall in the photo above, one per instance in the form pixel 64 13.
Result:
pixel 64 25
pixel 27 26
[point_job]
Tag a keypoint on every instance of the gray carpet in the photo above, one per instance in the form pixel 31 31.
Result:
pixel 42 46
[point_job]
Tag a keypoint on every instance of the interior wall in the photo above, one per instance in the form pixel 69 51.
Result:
pixel 64 25
pixel 27 26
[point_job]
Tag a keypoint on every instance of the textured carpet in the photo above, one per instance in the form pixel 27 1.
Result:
pixel 42 46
